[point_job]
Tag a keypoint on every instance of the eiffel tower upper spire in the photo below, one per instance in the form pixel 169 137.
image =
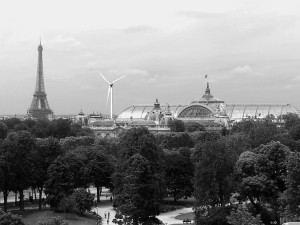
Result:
pixel 39 106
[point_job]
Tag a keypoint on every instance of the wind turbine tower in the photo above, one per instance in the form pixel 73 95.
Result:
pixel 110 91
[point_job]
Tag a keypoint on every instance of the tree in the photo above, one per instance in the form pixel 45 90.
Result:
pixel 179 172
pixel 259 131
pixel 11 122
pixel 40 128
pixel 285 138
pixel 138 199
pixel 174 140
pixel 101 167
pixel 140 140
pixel 59 128
pixel 30 123
pixel 60 182
pixel 213 174
pixel 6 159
pixel 21 126
pixel 193 126
pixel 21 146
pixel 77 131
pixel 177 126
pixel 46 151
pixel 69 143
pixel 242 216
pixel 65 174
pixel 291 196
pixel 202 137
pixel 290 119
pixel 139 170
pixel 262 173
pixel 295 131
pixel 83 200
pixel 110 146
pixel 9 219
pixel 213 181
pixel 3 130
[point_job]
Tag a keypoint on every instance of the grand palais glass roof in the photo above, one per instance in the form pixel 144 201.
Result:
pixel 208 106
pixel 238 112
pixel 234 112
pixel 140 111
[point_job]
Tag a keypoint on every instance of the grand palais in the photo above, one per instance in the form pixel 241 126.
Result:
pixel 207 110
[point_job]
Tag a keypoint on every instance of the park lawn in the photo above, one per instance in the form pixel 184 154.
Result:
pixel 33 216
pixel 190 216
pixel 182 217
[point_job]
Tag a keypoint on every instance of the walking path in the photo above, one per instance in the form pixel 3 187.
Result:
pixel 105 207
pixel 169 217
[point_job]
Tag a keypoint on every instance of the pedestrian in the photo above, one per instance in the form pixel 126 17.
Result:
pixel 44 202
pixel 110 198
pixel 105 215
pixel 108 215
pixel 108 221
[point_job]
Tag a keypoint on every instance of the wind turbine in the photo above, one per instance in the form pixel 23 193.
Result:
pixel 110 91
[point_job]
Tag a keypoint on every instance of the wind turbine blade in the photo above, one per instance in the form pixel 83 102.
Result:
pixel 108 94
pixel 118 79
pixel 104 78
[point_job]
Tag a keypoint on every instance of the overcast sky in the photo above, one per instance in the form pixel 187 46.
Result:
pixel 249 49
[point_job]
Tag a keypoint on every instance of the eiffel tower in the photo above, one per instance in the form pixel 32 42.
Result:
pixel 39 108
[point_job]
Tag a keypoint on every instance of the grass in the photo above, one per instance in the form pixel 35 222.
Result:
pixel 190 216
pixel 168 204
pixel 33 216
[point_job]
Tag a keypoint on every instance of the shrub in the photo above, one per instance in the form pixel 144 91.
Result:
pixel 177 126
pixel 8 219
pixel 241 216
pixel 193 126
pixel 54 221
pixel 83 200
pixel 66 204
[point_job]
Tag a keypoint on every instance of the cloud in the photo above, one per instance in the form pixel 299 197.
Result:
pixel 91 64
pixel 60 39
pixel 139 76
pixel 198 14
pixel 242 70
pixel 86 87
pixel 140 29
pixel 137 72
pixel 297 78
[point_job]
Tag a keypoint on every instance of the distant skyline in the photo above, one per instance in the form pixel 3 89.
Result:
pixel 248 49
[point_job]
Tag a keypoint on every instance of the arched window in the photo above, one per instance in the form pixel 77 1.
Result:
pixel 195 111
